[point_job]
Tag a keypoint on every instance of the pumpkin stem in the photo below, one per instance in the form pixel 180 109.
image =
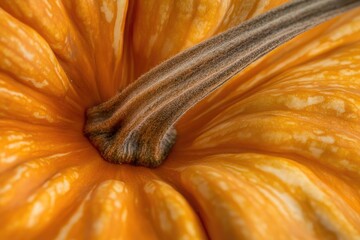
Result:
pixel 136 126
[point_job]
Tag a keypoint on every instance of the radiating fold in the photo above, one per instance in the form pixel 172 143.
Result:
pixel 26 56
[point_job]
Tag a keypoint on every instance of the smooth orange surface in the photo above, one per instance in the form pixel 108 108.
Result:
pixel 274 154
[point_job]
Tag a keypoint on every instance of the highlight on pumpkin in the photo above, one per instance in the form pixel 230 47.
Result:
pixel 273 153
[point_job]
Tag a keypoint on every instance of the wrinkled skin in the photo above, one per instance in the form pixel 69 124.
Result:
pixel 272 154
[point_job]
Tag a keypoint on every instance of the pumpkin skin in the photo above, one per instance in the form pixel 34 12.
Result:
pixel 272 154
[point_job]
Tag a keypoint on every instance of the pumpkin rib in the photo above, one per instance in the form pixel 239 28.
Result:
pixel 196 163
pixel 64 216
pixel 68 54
pixel 221 204
pixel 72 127
pixel 44 110
pixel 336 216
pixel 271 83
pixel 59 85
pixel 282 107
pixel 252 162
pixel 166 205
pixel 27 145
pixel 27 219
pixel 305 117
pixel 251 122
pixel 87 220
pixel 25 161
pixel 50 165
pixel 172 181
pixel 65 229
pixel 347 177
pixel 26 126
pixel 278 194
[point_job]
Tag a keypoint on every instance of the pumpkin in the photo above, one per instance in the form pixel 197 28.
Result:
pixel 272 154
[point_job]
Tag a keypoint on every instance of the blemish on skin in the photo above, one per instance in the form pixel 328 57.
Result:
pixel 149 188
pixel 174 212
pixel 190 228
pixel 5 189
pixel 214 174
pixel 294 178
pixel 20 173
pixel 334 148
pixel 284 203
pixel 109 15
pixel 239 199
pixel 327 139
pixel 11 24
pixel 348 72
pixel 292 205
pixel 28 55
pixel 119 187
pixel 14 95
pixel 302 138
pixel 223 185
pixel 336 105
pixel 347 138
pixel 35 83
pixel 315 151
pixel 328 223
pixel 164 222
pixel 112 195
pixel 349 165
pixel 9 159
pixel 117 204
pixel 298 103
pixel 58 185
pixel 17 144
pixel 39 115
pixel 317 131
pixel 14 137
pixel 344 31
pixel 201 185
pixel 98 225
pixel 63 187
